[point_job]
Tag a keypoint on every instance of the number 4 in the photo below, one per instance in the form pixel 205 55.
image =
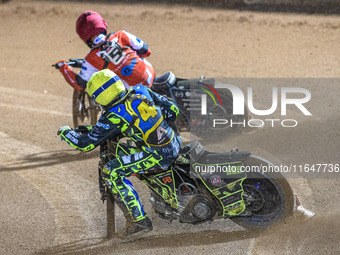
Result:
pixel 146 111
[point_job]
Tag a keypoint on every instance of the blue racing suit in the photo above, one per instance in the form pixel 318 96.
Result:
pixel 141 115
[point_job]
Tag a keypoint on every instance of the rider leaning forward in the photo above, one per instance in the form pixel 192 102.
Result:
pixel 141 115
pixel 121 52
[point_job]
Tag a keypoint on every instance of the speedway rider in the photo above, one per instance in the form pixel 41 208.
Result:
pixel 121 52
pixel 141 115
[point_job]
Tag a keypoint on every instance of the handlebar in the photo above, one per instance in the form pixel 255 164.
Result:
pixel 74 62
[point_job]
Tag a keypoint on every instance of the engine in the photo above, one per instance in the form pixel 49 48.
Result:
pixel 192 207
pixel 199 209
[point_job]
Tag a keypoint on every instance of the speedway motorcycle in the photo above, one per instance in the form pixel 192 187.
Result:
pixel 186 93
pixel 204 186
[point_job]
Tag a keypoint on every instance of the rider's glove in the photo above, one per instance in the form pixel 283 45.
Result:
pixel 63 67
pixel 62 129
pixel 61 63
pixel 172 113
pixel 84 129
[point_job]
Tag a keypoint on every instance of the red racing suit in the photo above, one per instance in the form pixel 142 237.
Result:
pixel 122 53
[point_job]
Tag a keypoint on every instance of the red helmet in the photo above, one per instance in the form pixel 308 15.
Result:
pixel 89 24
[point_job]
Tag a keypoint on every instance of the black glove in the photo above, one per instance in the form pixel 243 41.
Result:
pixel 76 62
pixel 84 129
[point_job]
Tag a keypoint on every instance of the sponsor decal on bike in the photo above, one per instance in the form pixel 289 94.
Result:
pixel 226 193
pixel 126 159
pixel 182 159
pixel 106 171
pixel 179 94
pixel 216 181
pixel 198 149
pixel 216 192
pixel 138 156
pixel 167 180
pixel 162 176
pixel 238 207
pixel 231 185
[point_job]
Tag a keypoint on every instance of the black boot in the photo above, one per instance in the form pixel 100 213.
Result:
pixel 137 228
pixel 132 227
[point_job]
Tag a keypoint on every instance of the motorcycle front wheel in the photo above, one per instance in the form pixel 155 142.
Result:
pixel 84 109
pixel 110 216
pixel 268 196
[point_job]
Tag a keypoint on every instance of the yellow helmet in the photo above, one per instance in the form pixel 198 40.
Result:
pixel 104 86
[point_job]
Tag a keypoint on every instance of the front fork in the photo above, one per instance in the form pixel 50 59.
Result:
pixel 103 160
pixel 105 157
pixel 107 152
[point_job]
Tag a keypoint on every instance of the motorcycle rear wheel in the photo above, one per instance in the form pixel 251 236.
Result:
pixel 84 109
pixel 268 196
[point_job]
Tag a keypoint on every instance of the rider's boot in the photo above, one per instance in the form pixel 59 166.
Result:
pixel 134 228
pixel 137 228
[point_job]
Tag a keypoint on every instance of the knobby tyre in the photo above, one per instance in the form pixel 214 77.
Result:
pixel 110 215
pixel 268 196
pixel 84 109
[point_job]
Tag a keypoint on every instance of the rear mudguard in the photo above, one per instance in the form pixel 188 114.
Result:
pixel 224 181
pixel 226 186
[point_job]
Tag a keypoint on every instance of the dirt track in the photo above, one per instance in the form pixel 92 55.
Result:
pixel 50 202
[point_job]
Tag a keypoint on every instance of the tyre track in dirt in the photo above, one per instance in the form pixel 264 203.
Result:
pixel 74 217
pixel 23 100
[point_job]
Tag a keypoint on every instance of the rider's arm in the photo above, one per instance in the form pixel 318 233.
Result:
pixel 141 48
pixel 168 108
pixel 92 63
pixel 106 127
pixel 71 77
